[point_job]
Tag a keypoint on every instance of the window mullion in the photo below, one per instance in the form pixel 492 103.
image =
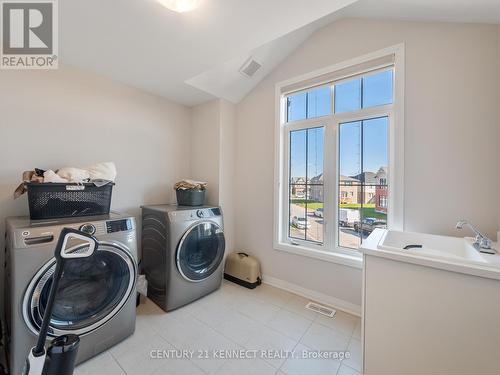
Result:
pixel 289 171
pixel 286 187
pixel 329 170
pixel 307 183
pixel 332 99
pixel 363 181
pixel 364 113
pixel 307 124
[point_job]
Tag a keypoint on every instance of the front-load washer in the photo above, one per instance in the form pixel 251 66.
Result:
pixel 96 298
pixel 182 253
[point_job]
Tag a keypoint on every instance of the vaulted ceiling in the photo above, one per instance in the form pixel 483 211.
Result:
pixel 144 44
pixel 193 57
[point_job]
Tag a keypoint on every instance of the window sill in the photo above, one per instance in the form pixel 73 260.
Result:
pixel 354 260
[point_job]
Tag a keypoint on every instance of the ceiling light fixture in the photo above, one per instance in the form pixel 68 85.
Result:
pixel 180 6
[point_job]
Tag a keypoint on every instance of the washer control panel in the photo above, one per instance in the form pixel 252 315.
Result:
pixel 28 233
pixel 88 228
pixel 113 226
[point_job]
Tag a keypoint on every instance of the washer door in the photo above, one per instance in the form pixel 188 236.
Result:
pixel 200 251
pixel 91 291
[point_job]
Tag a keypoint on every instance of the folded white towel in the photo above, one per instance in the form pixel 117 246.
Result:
pixel 103 171
pixel 51 176
pixel 100 171
pixel 74 174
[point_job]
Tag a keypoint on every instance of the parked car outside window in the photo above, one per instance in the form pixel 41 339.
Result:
pixel 369 224
pixel 300 222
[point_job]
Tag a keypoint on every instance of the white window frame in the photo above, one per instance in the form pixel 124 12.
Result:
pixel 329 250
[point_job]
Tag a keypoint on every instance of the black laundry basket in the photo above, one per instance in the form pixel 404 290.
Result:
pixel 190 197
pixel 60 200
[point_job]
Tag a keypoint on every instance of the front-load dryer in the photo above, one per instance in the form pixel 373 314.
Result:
pixel 182 253
pixel 96 298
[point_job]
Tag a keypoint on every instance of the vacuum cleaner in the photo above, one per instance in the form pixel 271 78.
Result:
pixel 59 358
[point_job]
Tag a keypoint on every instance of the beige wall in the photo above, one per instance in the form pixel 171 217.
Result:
pixel 212 156
pixel 451 138
pixel 227 169
pixel 205 145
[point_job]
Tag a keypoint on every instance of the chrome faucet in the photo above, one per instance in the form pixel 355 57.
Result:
pixel 481 242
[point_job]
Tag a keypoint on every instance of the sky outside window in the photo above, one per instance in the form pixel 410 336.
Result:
pixel 375 89
pixel 310 104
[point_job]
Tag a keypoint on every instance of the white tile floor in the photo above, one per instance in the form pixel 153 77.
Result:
pixel 230 319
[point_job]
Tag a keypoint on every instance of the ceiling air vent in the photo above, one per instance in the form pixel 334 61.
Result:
pixel 321 309
pixel 249 68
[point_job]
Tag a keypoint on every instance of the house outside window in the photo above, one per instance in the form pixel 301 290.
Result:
pixel 337 163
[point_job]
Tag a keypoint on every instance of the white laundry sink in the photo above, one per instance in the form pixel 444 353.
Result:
pixel 433 301
pixel 446 252
pixel 433 246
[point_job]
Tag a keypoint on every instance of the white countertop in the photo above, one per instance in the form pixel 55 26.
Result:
pixel 487 269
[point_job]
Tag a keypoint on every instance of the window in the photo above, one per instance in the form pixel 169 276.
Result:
pixel 306 185
pixel 383 201
pixel 309 104
pixel 364 92
pixel 362 154
pixel 339 170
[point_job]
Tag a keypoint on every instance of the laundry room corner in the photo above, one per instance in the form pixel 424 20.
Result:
pixel 78 118
pixel 213 156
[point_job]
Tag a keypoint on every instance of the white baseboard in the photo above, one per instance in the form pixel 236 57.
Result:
pixel 322 298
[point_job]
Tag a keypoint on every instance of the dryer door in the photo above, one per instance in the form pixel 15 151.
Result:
pixel 200 251
pixel 91 291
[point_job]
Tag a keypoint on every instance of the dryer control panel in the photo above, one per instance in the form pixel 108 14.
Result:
pixel 195 214
pixel 208 212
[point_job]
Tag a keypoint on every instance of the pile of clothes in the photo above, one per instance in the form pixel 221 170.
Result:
pixel 100 174
pixel 190 185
